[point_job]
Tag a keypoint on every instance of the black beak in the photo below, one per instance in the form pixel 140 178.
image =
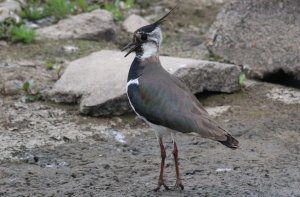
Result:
pixel 132 46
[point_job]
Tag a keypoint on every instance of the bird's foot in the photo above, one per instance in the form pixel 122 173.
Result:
pixel 179 185
pixel 161 183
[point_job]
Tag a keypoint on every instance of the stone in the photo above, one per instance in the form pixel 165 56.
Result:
pixel 96 25
pixel 285 95
pixel 8 9
pixel 133 22
pixel 98 81
pixel 12 87
pixel 69 49
pixel 217 111
pixel 11 5
pixel 263 36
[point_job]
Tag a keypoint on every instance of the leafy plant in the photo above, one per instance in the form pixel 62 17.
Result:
pixel 114 9
pixel 22 34
pixel 82 5
pixel 129 3
pixel 59 8
pixel 5 28
pixel 59 71
pixel 31 93
pixel 2 31
pixel 50 66
pixel 242 79
pixel 33 11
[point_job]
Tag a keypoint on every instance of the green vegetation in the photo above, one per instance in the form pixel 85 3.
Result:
pixel 59 8
pixel 22 34
pixel 57 67
pixel 242 79
pixel 31 92
pixel 115 9
pixel 82 5
pixel 129 3
pixel 12 31
pixel 32 12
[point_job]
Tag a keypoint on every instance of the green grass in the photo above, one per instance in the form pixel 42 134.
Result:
pixel 22 34
pixel 129 3
pixel 242 79
pixel 31 92
pixel 82 5
pixel 33 11
pixel 114 8
pixel 59 8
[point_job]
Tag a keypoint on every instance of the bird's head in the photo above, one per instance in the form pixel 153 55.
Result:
pixel 147 40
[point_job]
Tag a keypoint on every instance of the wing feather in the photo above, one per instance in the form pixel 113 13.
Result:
pixel 168 102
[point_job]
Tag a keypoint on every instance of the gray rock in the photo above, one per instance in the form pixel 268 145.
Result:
pixel 12 5
pixel 133 22
pixel 96 25
pixel 98 81
pixel 262 35
pixel 8 9
pixel 12 87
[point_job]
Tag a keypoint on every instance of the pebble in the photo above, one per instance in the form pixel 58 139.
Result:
pixel 13 87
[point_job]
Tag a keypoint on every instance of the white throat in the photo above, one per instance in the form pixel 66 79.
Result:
pixel 149 49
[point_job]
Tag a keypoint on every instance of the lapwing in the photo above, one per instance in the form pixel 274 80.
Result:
pixel 163 101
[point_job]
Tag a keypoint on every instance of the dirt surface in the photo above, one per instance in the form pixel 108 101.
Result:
pixel 51 150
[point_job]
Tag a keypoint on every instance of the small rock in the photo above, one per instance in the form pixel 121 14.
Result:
pixel 285 95
pixel 11 5
pixel 8 9
pixel 96 25
pixel 45 21
pixel 69 49
pixel 106 166
pixel 13 87
pixel 3 43
pixel 117 120
pixel 31 25
pixel 223 169
pixel 217 111
pixel 133 22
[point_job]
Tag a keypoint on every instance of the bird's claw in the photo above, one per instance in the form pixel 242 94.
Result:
pixel 159 186
pixel 179 185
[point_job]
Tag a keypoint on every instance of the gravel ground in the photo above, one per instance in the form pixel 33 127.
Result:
pixel 50 150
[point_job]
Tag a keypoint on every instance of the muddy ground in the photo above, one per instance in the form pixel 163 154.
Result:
pixel 52 150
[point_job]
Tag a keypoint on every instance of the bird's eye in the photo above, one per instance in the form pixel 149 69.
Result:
pixel 144 37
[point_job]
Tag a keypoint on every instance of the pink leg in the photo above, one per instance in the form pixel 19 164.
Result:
pixel 175 154
pixel 161 181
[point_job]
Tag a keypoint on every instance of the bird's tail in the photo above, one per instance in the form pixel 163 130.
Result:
pixel 230 142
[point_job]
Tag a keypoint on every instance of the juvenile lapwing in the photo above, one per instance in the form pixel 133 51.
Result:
pixel 163 101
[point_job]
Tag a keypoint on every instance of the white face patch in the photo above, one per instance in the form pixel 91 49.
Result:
pixel 149 49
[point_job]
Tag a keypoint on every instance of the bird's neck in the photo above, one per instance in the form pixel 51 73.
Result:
pixel 139 66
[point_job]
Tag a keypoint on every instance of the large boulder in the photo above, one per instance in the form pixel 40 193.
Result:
pixel 262 35
pixel 98 81
pixel 96 25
